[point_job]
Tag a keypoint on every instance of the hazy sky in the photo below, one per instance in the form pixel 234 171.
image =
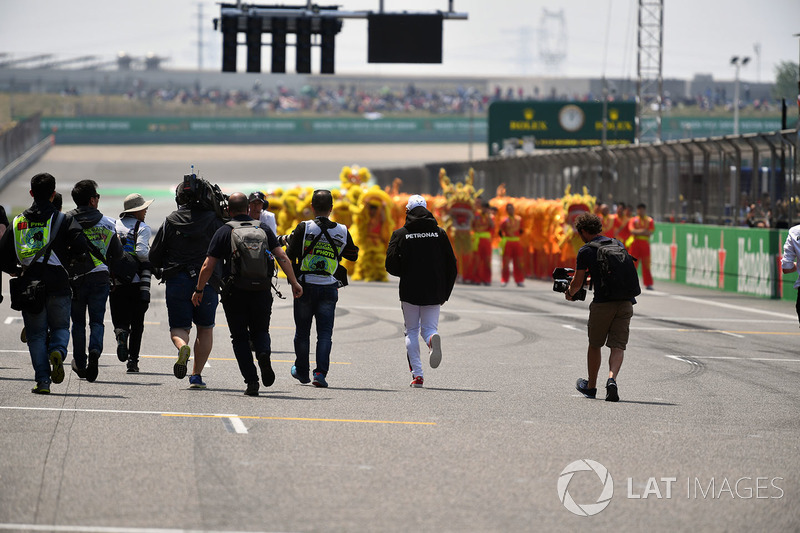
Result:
pixel 501 37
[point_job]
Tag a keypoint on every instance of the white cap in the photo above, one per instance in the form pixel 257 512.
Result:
pixel 416 201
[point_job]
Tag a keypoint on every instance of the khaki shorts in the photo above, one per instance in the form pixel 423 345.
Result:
pixel 609 324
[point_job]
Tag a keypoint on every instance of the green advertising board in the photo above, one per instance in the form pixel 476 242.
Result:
pixel 560 124
pixel 740 260
pixel 91 130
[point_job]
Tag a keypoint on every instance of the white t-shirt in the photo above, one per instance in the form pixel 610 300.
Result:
pixel 268 219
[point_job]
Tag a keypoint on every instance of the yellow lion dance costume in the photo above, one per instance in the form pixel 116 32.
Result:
pixel 372 227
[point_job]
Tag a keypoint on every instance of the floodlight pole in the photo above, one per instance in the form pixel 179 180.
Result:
pixel 737 62
pixel 797 135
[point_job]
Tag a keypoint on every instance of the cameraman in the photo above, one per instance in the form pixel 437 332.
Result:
pixel 179 248
pixel 609 319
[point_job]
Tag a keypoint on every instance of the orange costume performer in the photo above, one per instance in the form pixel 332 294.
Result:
pixel 509 232
pixel 482 226
pixel 640 228
pixel 457 213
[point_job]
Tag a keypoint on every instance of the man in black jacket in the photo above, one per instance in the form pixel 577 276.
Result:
pixel 90 278
pixel 179 248
pixel 421 255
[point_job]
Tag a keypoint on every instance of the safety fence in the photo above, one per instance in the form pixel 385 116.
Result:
pixel 715 180
pixel 20 147
pixel 738 260
pixel 17 140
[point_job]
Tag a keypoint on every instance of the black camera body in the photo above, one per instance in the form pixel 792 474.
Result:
pixel 200 194
pixel 562 277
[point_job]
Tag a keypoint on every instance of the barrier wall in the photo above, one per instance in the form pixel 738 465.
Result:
pixel 739 260
pixel 120 130
pixel 144 130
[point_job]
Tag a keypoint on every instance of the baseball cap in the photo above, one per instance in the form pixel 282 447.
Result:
pixel 416 201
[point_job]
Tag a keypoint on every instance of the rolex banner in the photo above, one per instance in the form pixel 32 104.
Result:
pixel 740 260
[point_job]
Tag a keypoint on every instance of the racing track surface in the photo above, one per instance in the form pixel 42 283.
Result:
pixel 708 413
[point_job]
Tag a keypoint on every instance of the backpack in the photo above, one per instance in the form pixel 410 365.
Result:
pixel 618 279
pixel 252 265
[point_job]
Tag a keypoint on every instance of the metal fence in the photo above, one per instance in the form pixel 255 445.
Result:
pixel 19 139
pixel 712 180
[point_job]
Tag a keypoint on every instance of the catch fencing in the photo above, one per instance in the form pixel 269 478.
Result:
pixel 20 147
pixel 708 181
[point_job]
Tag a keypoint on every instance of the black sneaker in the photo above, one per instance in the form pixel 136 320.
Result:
pixel 91 366
pixel 267 374
pixel 583 387
pixel 122 345
pixel 81 372
pixel 252 389
pixel 133 366
pixel 612 395
pixel 41 388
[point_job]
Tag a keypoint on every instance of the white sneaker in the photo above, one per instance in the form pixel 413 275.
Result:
pixel 435 345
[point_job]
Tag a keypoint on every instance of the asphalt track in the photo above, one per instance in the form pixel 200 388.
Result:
pixel 705 436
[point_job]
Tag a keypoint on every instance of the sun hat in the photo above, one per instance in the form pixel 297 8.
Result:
pixel 134 202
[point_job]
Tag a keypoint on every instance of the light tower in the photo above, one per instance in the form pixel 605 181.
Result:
pixel 650 82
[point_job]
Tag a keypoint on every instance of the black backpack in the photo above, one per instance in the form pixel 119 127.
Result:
pixel 252 265
pixel 618 278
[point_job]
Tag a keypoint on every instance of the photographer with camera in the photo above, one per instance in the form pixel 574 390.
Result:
pixel 90 278
pixel 615 284
pixel 34 251
pixel 130 296
pixel 179 249
pixel 243 247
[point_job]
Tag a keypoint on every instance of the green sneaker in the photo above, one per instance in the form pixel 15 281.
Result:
pixel 180 367
pixel 56 361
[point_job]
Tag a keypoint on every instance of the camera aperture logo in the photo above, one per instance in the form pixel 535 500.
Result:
pixel 585 509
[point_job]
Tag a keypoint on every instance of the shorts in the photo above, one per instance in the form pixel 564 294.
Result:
pixel 180 310
pixel 609 323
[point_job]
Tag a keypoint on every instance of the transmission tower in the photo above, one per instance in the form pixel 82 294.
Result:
pixel 200 43
pixel 552 39
pixel 650 82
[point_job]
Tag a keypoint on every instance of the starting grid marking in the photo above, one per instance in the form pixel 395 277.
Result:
pixel 234 420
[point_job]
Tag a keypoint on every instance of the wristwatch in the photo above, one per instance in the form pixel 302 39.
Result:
pixel 198 291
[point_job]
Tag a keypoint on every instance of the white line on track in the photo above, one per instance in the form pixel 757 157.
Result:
pixel 731 306
pixel 734 358
pixel 12 319
pixel 107 529
pixel 682 359
pixel 114 411
pixel 236 425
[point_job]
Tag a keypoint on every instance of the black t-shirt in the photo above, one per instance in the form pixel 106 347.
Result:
pixel 220 246
pixel 3 217
pixel 587 259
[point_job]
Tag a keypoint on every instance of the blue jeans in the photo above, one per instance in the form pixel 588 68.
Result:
pixel 90 294
pixel 248 314
pixel 317 303
pixel 55 318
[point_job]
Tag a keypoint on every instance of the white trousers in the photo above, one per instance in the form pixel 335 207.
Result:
pixel 420 320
